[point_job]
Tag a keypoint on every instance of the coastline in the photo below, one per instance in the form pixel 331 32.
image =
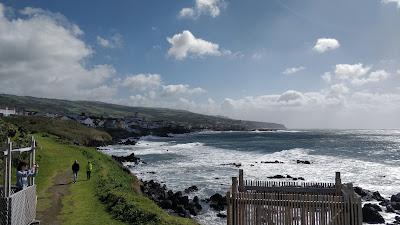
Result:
pixel 165 148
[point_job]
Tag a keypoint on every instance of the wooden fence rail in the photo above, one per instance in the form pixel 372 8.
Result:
pixel 292 203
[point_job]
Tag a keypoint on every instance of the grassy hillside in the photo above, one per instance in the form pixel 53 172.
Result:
pixel 69 130
pixel 105 109
pixel 112 196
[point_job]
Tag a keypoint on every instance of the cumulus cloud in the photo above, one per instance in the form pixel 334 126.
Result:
pixel 141 82
pixel 327 77
pixel 397 2
pixel 181 89
pixel 203 7
pixel 185 44
pixel 356 74
pixel 150 90
pixel 373 77
pixel 350 71
pixel 42 52
pixel 115 41
pixel 326 44
pixel 335 107
pixel 338 89
pixel 293 70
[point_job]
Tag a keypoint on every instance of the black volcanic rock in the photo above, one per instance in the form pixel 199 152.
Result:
pixel 169 200
pixel 303 162
pixel 395 198
pixel 217 202
pixel 371 214
pixel 191 189
pixel 128 158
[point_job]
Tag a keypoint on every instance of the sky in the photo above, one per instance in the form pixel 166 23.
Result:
pixel 306 64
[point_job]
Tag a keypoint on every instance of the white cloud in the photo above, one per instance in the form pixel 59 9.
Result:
pixel 42 54
pixel 141 82
pixel 185 44
pixel 350 71
pixel 187 12
pixel 177 89
pixel 398 71
pixel 115 41
pixel 203 7
pixel 293 70
pixel 257 56
pixel 326 44
pixel 397 2
pixel 338 89
pixel 327 77
pixel 373 77
pixel 336 107
pixel 356 74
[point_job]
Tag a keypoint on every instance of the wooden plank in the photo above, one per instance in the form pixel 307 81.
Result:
pixel 311 190
pixel 228 208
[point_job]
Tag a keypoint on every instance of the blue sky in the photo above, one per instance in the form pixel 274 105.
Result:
pixel 312 64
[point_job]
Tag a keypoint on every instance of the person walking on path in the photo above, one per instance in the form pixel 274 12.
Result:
pixel 75 170
pixel 23 173
pixel 89 168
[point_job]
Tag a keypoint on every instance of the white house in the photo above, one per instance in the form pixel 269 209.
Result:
pixel 7 112
pixel 88 122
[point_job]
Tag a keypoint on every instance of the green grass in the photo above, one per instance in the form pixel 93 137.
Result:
pixel 66 130
pixel 82 205
pixel 91 202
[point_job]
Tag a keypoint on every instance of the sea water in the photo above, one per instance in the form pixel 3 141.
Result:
pixel 368 158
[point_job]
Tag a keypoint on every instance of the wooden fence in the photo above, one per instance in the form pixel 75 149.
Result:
pixel 292 203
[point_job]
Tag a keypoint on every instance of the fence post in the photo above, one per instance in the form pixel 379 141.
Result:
pixel 9 167
pixel 228 209
pixel 235 204
pixel 241 181
pixel 5 169
pixel 32 159
pixel 338 183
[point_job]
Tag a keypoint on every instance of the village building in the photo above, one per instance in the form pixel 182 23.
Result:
pixel 7 112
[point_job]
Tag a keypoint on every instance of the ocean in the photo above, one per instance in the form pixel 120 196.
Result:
pixel 368 158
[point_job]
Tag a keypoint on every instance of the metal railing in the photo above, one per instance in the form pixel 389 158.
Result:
pixel 17 207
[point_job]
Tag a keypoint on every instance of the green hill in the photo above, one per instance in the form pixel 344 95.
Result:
pixel 67 107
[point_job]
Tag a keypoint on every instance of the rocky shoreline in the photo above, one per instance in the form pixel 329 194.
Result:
pixel 177 203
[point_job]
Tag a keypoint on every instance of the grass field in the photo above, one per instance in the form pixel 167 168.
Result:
pixel 110 197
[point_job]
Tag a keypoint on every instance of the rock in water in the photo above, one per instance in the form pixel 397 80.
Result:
pixel 395 198
pixel 191 189
pixel 217 202
pixel 303 162
pixel 128 158
pixel 221 215
pixel 371 214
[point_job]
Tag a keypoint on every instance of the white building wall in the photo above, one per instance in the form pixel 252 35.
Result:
pixel 8 112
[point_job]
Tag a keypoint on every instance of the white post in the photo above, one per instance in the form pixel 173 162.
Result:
pixel 33 155
pixel 9 167
pixel 5 178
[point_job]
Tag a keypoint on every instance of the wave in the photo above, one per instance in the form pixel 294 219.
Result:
pixel 181 165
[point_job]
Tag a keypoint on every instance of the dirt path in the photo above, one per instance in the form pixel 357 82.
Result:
pixel 60 188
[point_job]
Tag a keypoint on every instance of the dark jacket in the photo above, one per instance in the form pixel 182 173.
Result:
pixel 75 167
